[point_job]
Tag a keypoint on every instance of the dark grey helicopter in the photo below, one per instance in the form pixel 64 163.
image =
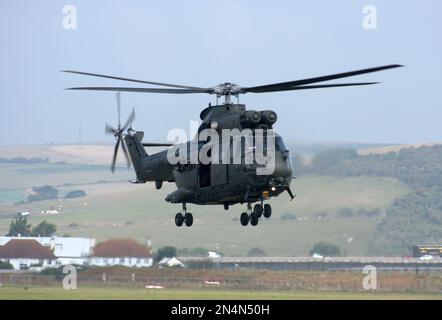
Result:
pixel 217 183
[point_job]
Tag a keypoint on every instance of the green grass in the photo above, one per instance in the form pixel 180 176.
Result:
pixel 120 209
pixel 89 293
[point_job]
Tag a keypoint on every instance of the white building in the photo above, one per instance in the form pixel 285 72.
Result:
pixel 26 253
pixel 67 250
pixel 122 252
pixel 171 263
pixel 54 251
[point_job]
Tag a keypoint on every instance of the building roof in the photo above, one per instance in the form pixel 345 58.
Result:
pixel 63 247
pixel 121 248
pixel 25 248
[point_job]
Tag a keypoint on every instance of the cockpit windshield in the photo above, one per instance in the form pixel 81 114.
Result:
pixel 279 144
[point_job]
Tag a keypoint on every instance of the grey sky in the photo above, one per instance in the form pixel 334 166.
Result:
pixel 204 43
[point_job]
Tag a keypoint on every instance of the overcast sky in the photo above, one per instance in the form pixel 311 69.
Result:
pixel 204 43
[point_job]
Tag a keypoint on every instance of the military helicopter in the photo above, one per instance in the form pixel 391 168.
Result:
pixel 216 183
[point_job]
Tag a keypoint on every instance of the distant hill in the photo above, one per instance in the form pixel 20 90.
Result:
pixel 94 154
pixel 394 148
pixel 412 219
pixel 80 154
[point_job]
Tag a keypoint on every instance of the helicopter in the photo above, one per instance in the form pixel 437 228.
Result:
pixel 217 183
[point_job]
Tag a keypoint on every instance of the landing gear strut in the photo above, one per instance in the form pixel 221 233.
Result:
pixel 253 216
pixel 184 217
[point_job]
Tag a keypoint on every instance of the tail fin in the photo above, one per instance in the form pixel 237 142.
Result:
pixel 137 153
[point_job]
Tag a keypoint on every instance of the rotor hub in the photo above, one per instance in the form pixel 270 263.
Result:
pixel 227 88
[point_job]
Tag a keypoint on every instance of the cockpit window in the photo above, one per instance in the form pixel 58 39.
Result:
pixel 279 144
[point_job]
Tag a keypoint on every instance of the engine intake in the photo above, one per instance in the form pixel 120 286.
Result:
pixel 268 117
pixel 250 119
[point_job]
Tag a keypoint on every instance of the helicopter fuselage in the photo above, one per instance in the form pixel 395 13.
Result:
pixel 223 182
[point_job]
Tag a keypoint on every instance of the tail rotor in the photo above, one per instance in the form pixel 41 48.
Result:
pixel 118 133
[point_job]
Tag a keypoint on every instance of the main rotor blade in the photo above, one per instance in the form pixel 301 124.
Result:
pixel 134 80
pixel 284 85
pixel 109 129
pixel 114 159
pixel 157 144
pixel 129 120
pixel 119 108
pixel 126 154
pixel 152 90
pixel 332 85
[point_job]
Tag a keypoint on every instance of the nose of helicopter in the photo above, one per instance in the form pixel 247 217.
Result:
pixel 283 168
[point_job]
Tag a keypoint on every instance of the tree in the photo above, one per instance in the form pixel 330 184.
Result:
pixel 19 227
pixel 326 249
pixel 44 229
pixel 165 252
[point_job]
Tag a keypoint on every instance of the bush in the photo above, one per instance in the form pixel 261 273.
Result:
pixel 256 252
pixel 5 265
pixel 326 249
pixel 345 213
pixel 75 194
pixel 43 193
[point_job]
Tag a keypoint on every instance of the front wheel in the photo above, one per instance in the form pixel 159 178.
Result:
pixel 188 219
pixel 179 219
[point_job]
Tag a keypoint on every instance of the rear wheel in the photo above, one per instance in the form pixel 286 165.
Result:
pixel 257 210
pixel 179 219
pixel 244 219
pixel 254 219
pixel 188 219
pixel 267 210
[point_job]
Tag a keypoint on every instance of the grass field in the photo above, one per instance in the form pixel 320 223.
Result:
pixel 89 293
pixel 115 208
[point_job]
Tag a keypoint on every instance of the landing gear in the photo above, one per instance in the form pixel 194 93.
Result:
pixel 184 217
pixel 253 216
